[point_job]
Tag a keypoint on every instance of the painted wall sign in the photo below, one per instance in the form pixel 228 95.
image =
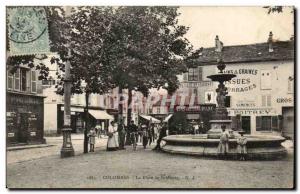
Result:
pixel 283 100
pixel 249 112
pixel 196 84
pixel 243 81
pixel 247 104
pixel 209 97
pixel 199 108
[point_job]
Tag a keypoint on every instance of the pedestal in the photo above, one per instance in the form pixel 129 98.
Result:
pixel 67 149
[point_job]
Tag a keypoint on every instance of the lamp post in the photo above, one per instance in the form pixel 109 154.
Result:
pixel 67 149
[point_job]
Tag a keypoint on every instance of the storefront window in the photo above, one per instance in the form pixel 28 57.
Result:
pixel 267 123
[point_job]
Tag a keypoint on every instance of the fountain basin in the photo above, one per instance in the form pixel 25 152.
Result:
pixel 221 77
pixel 258 147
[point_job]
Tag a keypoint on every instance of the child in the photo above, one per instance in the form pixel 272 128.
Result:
pixel 92 138
pixel 241 146
pixel 223 147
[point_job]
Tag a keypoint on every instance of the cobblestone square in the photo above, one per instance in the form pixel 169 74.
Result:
pixel 43 168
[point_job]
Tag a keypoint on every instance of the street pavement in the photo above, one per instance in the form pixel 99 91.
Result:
pixel 43 168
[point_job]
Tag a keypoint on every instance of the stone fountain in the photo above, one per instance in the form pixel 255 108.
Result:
pixel 258 147
pixel 221 115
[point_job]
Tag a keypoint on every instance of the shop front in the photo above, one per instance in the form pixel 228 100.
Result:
pixel 24 119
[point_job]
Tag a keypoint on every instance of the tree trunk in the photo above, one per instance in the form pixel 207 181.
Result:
pixel 120 107
pixel 129 110
pixel 85 141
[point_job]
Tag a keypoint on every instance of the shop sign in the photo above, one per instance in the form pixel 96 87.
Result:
pixel 283 100
pixel 198 108
pixel 10 134
pixel 242 83
pixel 33 133
pixel 249 112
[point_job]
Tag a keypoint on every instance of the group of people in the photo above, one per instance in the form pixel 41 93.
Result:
pixel 119 135
pixel 223 147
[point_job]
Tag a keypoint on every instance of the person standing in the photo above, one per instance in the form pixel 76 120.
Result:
pixel 150 135
pixel 92 139
pixel 162 134
pixel 112 142
pixel 145 136
pixel 121 134
pixel 223 147
pixel 241 146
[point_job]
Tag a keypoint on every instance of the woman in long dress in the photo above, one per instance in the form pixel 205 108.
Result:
pixel 112 142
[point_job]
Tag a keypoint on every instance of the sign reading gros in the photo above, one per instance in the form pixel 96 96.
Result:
pixel 244 81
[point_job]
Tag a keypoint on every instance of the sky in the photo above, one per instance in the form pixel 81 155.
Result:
pixel 235 25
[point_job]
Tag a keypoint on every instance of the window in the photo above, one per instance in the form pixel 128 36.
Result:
pixel 24 80
pixel 266 100
pixel 17 80
pixel 193 74
pixel 10 80
pixel 266 80
pixel 267 123
pixel 33 82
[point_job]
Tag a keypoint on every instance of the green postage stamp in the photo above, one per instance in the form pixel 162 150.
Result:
pixel 27 31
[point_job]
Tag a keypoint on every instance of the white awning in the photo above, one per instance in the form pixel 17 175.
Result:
pixel 147 117
pixel 101 115
pixel 74 109
pixel 167 118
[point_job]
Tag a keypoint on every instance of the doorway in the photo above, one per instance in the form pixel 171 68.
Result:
pixel 246 124
pixel 23 128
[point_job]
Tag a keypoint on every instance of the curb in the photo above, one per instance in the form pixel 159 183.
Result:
pixel 26 147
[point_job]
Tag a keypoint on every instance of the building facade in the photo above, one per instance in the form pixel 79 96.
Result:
pixel 24 107
pixel 261 96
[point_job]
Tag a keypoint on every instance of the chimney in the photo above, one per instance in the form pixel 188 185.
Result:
pixel 218 44
pixel 270 42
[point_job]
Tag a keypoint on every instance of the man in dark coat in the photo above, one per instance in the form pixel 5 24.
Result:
pixel 162 134
pixel 121 133
pixel 131 128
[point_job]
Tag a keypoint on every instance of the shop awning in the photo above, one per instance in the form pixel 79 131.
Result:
pixel 147 117
pixel 101 115
pixel 167 118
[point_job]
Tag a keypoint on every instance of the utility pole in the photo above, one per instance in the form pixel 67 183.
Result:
pixel 67 149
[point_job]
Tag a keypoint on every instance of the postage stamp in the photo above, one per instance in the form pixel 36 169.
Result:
pixel 28 31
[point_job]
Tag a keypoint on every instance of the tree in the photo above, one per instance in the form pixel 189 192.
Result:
pixel 90 66
pixel 149 49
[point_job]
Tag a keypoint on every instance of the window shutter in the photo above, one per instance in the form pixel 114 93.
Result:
pixel 258 123
pixel 269 100
pixel 17 80
pixel 33 82
pixel 185 77
pixel 10 80
pixel 200 73
pixel 263 103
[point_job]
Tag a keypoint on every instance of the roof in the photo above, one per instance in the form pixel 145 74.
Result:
pixel 283 50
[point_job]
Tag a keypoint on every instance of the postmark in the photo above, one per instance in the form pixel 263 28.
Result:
pixel 28 31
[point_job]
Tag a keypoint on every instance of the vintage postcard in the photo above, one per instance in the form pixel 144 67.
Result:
pixel 150 97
